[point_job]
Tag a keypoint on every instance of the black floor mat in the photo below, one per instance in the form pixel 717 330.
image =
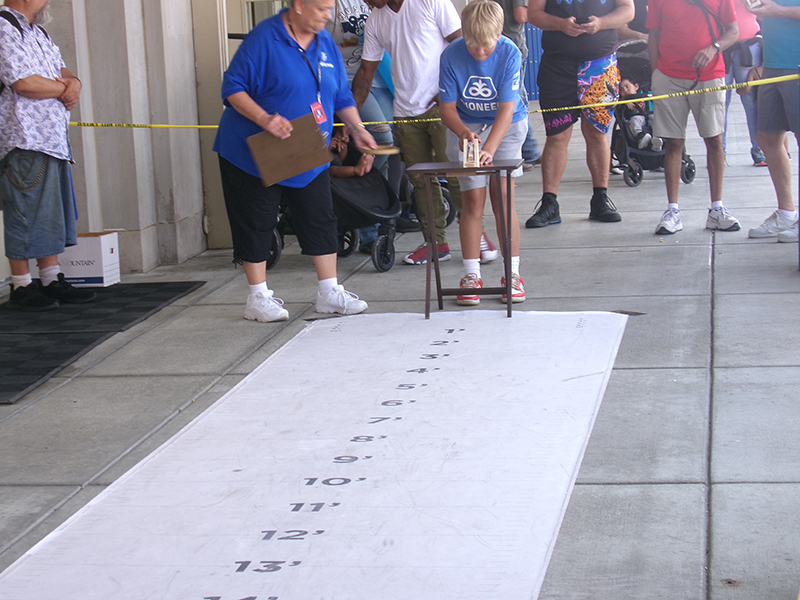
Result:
pixel 35 346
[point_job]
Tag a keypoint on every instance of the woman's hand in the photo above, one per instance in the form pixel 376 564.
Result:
pixel 362 138
pixel 277 125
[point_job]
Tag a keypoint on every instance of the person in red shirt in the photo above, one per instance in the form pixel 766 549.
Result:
pixel 687 38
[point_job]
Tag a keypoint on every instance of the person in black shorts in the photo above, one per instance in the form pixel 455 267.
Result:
pixel 579 67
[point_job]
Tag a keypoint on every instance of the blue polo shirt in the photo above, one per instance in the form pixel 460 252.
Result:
pixel 478 86
pixel 272 68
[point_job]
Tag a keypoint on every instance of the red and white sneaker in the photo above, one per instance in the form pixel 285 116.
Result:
pixel 488 250
pixel 470 282
pixel 420 255
pixel 517 288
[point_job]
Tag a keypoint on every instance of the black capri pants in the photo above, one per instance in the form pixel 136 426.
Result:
pixel 253 213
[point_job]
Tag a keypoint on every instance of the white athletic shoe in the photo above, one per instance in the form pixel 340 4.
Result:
pixel 670 222
pixel 265 308
pixel 340 301
pixel 722 220
pixel 789 236
pixel 774 224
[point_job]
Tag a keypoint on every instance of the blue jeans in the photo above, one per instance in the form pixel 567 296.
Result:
pixel 38 205
pixel 738 73
pixel 530 147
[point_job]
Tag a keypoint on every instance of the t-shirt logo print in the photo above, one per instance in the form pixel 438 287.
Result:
pixel 480 88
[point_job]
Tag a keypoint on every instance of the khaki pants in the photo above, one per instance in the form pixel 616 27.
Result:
pixel 421 143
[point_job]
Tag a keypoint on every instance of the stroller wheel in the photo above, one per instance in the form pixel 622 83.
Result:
pixel 688 170
pixel 275 249
pixel 383 253
pixel 348 242
pixel 633 173
pixel 449 210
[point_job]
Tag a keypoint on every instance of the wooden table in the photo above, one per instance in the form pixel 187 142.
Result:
pixel 429 171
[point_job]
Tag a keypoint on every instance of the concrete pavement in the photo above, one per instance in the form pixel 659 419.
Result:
pixel 690 487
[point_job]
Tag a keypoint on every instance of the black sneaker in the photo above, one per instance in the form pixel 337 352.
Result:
pixel 63 291
pixel 601 208
pixel 546 213
pixel 405 224
pixel 30 299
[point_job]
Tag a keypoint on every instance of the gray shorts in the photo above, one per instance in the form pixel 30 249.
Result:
pixel 672 114
pixel 510 147
pixel 778 103
pixel 38 205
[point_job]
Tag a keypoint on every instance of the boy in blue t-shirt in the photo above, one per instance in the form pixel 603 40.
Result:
pixel 479 100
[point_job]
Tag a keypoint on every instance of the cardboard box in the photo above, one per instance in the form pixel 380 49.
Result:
pixel 93 262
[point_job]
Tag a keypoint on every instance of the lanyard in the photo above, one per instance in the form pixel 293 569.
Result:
pixel 318 75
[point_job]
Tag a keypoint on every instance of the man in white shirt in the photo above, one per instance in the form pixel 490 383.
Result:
pixel 414 33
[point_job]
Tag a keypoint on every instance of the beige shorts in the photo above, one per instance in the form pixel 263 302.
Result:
pixel 672 114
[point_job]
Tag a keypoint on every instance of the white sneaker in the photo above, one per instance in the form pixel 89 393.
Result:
pixel 265 308
pixel 340 301
pixel 644 140
pixel 670 222
pixel 722 220
pixel 775 224
pixel 657 144
pixel 789 236
pixel 488 250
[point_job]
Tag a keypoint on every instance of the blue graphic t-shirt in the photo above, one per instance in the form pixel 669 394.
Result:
pixel 477 87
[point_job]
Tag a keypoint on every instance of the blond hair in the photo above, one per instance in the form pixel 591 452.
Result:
pixel 482 23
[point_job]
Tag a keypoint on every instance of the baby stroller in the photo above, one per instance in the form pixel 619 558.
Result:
pixel 632 160
pixel 357 202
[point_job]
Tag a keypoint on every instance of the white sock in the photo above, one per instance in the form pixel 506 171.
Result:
pixel 326 285
pixel 716 204
pixel 514 265
pixel 789 214
pixel 259 287
pixel 472 265
pixel 673 206
pixel 20 281
pixel 49 274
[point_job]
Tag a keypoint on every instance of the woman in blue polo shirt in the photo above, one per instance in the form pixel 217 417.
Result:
pixel 479 100
pixel 287 67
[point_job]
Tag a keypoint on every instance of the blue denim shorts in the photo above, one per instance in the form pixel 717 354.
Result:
pixel 38 205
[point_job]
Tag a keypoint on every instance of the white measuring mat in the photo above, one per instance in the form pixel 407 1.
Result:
pixel 374 457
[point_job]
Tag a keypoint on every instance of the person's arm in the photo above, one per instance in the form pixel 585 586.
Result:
pixel 362 81
pixel 652 47
pixel 502 121
pixel 769 8
pixel 358 133
pixel 453 36
pixel 38 87
pixel 275 124
pixel 451 119
pixel 521 14
pixel 72 94
pixel 725 41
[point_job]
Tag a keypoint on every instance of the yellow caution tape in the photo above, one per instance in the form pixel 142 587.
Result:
pixel 720 88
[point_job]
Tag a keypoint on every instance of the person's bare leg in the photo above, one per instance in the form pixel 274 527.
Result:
pixel 470 224
pixel 554 160
pixel 780 168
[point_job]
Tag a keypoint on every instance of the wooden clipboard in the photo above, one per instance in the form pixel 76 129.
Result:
pixel 279 159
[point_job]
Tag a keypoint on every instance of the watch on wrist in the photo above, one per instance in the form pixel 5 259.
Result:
pixel 717 46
